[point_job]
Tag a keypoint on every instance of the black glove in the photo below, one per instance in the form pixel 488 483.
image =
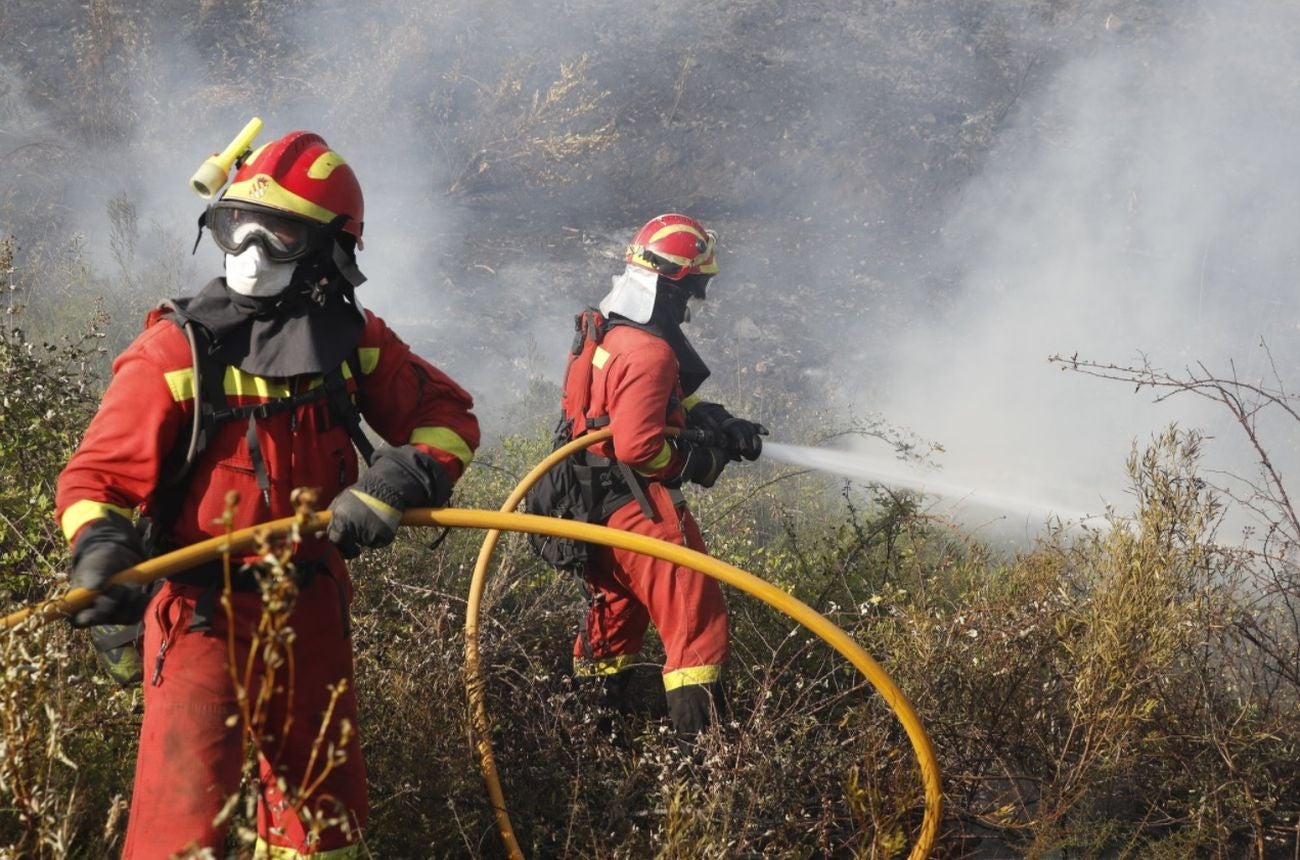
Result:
pixel 704 463
pixel 105 547
pixel 742 438
pixel 368 513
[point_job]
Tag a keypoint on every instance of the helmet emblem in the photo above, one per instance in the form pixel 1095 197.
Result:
pixel 261 185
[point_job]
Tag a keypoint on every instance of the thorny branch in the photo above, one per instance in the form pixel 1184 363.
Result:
pixel 1246 401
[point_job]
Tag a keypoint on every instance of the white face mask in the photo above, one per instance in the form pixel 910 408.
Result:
pixel 250 273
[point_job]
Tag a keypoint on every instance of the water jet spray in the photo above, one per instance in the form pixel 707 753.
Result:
pixel 891 472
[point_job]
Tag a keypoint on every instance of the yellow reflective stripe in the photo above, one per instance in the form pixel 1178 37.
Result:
pixel 325 164
pixel 385 510
pixel 369 356
pixel 240 384
pixel 605 666
pixel 261 188
pixel 444 440
pixel 692 675
pixel 82 512
pixel 599 357
pixel 263 851
pixel 690 402
pixel 660 460
pixel 181 383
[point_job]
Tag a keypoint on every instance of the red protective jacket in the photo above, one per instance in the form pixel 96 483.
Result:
pixel 191 737
pixel 151 400
pixel 635 383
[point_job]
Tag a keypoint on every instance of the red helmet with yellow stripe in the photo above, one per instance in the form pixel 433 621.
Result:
pixel 300 175
pixel 674 246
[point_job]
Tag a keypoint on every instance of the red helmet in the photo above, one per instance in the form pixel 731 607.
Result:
pixel 674 246
pixel 301 175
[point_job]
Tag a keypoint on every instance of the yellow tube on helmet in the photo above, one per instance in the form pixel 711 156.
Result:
pixel 213 173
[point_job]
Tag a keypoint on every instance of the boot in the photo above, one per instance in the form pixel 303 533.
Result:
pixel 693 708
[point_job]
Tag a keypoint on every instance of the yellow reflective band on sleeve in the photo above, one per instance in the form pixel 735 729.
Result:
pixel 689 403
pixel 82 512
pixel 444 440
pixel 181 383
pixel 584 668
pixel 661 459
pixel 697 675
pixel 600 357
pixel 265 851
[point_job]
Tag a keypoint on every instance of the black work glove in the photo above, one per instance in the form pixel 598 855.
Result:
pixel 105 547
pixel 367 513
pixel 704 463
pixel 742 438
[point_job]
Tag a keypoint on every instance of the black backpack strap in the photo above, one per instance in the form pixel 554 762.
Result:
pixel 211 409
pixel 259 462
pixel 209 396
pixel 344 409
pixel 636 486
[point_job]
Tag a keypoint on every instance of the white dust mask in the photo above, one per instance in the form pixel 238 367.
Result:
pixel 251 273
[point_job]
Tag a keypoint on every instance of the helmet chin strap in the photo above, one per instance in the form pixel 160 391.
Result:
pixel 677 302
pixel 332 270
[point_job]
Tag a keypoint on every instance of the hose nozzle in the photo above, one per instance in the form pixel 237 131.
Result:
pixel 215 171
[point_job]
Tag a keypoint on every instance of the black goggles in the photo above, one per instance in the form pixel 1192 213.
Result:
pixel 282 237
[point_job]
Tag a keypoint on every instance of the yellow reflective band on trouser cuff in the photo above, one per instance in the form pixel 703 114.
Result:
pixel 585 668
pixel 660 460
pixel 698 675
pixel 390 514
pixel 82 512
pixel 263 851
pixel 444 440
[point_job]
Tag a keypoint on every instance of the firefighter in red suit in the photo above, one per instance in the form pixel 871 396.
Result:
pixel 283 320
pixel 644 376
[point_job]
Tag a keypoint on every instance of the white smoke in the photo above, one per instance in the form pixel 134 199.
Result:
pixel 1141 206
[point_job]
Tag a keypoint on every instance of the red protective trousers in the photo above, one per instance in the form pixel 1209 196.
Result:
pixel 630 590
pixel 194 723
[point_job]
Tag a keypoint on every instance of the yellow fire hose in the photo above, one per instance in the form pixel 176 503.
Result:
pixel 733 576
pixel 496 522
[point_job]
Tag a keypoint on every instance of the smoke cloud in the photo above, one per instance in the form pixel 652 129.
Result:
pixel 1140 207
pixel 919 202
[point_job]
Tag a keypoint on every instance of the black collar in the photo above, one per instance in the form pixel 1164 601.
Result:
pixel 276 337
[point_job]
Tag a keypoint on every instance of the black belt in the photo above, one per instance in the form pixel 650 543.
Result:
pixel 210 576
pixel 631 486
pixel 243 577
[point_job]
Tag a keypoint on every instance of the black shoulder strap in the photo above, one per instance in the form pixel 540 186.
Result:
pixel 344 409
pixel 209 396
